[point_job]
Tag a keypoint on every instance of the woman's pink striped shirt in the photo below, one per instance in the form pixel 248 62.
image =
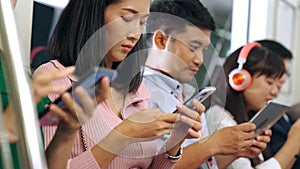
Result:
pixel 136 155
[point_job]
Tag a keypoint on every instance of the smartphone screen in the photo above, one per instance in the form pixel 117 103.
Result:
pixel 202 95
pixel 90 81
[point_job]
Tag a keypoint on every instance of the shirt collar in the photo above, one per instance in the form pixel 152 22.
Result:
pixel 170 84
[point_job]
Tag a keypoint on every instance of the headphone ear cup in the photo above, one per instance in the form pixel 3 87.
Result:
pixel 239 80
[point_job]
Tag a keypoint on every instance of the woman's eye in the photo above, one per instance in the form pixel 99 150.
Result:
pixel 127 18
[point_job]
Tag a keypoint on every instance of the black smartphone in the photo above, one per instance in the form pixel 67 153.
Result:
pixel 267 116
pixel 90 81
pixel 203 94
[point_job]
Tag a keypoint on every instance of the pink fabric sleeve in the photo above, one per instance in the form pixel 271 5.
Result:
pixel 86 159
pixel 64 82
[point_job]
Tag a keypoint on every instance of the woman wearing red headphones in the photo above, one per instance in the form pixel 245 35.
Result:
pixel 252 75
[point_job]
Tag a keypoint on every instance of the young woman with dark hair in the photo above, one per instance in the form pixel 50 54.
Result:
pixel 122 131
pixel 265 69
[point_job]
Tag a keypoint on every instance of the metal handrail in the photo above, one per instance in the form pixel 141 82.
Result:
pixel 21 94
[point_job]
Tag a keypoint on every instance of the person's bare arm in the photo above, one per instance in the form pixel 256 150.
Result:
pixel 294 112
pixel 286 155
pixel 10 124
pixel 147 125
pixel 194 155
pixel 141 126
pixel 259 145
pixel 229 140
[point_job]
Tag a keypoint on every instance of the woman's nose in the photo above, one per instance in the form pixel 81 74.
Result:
pixel 135 32
pixel 133 37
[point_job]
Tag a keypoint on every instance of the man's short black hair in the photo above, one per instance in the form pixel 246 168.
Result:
pixel 190 10
pixel 174 15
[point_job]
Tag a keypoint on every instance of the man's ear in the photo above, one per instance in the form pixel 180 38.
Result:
pixel 160 39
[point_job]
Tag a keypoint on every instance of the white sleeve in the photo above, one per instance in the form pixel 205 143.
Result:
pixel 271 163
pixel 218 118
pixel 245 163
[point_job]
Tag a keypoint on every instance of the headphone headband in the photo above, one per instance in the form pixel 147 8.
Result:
pixel 246 50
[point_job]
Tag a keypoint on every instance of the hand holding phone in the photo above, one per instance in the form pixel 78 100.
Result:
pixel 202 95
pixel 90 81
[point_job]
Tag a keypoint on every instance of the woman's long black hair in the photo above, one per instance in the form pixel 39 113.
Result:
pixel 78 39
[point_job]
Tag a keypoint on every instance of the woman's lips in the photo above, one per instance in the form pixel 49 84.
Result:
pixel 127 48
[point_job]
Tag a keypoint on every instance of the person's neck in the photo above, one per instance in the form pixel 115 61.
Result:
pixel 155 63
pixel 108 64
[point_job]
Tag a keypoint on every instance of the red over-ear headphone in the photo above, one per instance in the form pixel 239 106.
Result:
pixel 239 78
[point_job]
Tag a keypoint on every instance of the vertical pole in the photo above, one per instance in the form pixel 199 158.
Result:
pixel 20 90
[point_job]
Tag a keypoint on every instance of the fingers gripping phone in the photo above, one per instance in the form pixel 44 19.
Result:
pixel 202 95
pixel 90 81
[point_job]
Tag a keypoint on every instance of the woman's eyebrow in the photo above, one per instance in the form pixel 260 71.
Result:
pixel 130 10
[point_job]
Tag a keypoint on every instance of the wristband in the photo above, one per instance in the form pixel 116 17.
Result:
pixel 175 158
